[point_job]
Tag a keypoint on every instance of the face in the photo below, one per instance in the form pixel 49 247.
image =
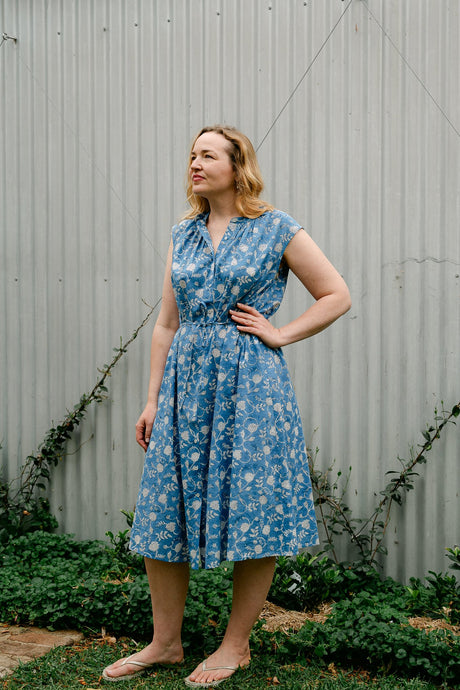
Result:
pixel 211 169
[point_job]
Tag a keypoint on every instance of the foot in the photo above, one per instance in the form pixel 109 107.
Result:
pixel 218 667
pixel 137 663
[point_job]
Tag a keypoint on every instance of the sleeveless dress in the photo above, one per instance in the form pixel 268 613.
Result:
pixel 226 472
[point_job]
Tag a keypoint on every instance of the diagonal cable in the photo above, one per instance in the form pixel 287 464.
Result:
pixel 412 71
pixel 291 96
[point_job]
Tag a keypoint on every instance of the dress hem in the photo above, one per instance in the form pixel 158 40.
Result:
pixel 216 564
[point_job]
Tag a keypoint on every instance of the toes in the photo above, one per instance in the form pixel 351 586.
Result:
pixel 113 671
pixel 209 676
pixel 119 668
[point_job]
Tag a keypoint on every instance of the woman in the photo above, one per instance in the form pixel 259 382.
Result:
pixel 226 472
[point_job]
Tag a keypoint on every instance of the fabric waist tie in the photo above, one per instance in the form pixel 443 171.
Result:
pixel 207 323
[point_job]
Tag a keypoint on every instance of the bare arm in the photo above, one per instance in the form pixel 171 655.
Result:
pixel 322 281
pixel 163 333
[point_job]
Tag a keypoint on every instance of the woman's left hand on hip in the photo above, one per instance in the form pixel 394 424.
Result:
pixel 249 320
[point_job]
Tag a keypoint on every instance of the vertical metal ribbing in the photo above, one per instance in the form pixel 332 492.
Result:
pixel 100 101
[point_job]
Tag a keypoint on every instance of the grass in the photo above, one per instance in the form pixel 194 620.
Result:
pixel 80 667
pixel 59 582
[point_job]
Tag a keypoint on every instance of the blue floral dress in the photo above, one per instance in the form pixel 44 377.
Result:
pixel 226 472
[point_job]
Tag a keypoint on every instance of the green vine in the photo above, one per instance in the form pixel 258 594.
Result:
pixel 21 509
pixel 367 534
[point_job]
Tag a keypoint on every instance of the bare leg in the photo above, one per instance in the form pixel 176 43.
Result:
pixel 168 584
pixel 251 582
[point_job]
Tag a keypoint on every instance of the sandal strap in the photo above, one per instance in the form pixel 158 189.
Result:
pixel 218 668
pixel 142 664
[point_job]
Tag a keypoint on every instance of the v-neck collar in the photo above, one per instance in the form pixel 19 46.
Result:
pixel 203 217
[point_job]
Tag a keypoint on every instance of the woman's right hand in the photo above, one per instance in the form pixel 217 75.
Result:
pixel 144 425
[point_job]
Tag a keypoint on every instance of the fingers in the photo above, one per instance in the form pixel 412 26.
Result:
pixel 148 432
pixel 249 309
pixel 145 424
pixel 246 313
pixel 242 320
pixel 249 320
pixel 141 437
pixel 143 433
pixel 247 316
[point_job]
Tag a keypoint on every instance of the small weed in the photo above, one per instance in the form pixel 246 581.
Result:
pixel 22 509
pixel 368 534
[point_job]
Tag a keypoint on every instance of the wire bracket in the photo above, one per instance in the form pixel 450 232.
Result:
pixel 5 37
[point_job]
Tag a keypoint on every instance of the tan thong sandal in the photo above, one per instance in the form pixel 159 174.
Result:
pixel 127 676
pixel 213 683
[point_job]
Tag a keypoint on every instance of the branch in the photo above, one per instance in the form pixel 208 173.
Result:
pixel 38 466
pixel 392 491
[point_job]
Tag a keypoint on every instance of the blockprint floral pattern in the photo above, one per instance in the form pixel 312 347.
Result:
pixel 226 472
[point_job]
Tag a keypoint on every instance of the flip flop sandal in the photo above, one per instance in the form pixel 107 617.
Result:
pixel 213 683
pixel 127 676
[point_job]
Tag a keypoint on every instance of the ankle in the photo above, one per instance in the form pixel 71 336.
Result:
pixel 237 649
pixel 166 648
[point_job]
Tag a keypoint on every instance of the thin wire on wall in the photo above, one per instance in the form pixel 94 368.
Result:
pixel 6 37
pixel 291 96
pixel 412 70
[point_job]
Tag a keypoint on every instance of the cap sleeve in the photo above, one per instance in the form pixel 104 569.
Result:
pixel 286 228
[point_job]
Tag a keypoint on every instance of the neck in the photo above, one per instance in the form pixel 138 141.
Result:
pixel 222 208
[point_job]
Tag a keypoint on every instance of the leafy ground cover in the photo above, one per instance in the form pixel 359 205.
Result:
pixel 80 667
pixel 56 581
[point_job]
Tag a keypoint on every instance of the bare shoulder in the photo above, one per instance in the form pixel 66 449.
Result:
pixel 311 266
pixel 301 249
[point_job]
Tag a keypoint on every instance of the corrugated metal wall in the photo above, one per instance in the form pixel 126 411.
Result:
pixel 355 109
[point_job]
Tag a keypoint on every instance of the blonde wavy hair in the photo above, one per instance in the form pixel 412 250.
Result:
pixel 248 178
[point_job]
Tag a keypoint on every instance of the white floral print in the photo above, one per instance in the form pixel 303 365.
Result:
pixel 226 473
